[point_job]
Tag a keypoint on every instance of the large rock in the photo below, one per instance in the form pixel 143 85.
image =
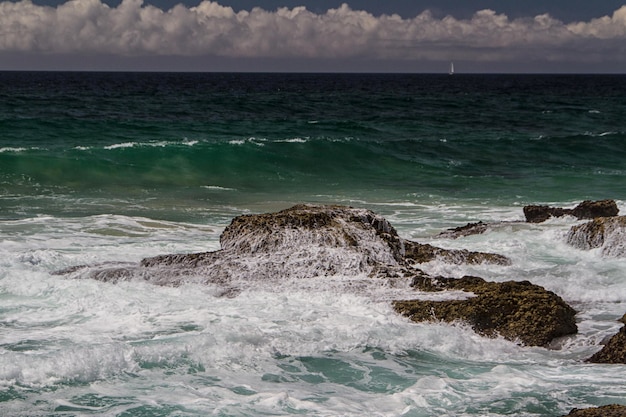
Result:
pixel 585 210
pixel 518 311
pixel 608 233
pixel 615 349
pixel 613 410
pixel 343 227
pixel 303 241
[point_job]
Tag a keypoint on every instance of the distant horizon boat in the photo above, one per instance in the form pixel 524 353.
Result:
pixel 451 72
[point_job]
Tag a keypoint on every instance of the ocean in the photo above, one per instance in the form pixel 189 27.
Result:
pixel 116 167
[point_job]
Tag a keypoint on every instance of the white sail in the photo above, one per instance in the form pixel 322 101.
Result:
pixel 451 68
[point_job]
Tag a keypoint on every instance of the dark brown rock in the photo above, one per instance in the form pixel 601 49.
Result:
pixel 615 349
pixel 467 230
pixel 612 410
pixel 586 210
pixel 538 214
pixel 518 311
pixel 592 209
pixel 421 253
pixel 608 233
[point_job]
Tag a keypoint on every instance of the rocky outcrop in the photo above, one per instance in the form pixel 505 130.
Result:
pixel 614 351
pixel 307 241
pixel 585 210
pixel 334 226
pixel 613 410
pixel 303 241
pixel 518 311
pixel 608 233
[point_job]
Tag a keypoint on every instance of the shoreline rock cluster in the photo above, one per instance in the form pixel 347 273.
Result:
pixel 307 241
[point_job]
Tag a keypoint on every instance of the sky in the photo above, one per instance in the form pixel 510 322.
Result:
pixel 481 36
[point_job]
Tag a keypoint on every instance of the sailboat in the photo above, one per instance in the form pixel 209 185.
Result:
pixel 451 68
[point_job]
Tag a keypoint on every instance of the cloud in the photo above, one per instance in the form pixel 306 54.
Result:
pixel 134 29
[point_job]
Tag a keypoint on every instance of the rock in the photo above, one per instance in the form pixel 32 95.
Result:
pixel 585 210
pixel 592 209
pixel 608 233
pixel 303 241
pixel 615 349
pixel 421 253
pixel 612 410
pixel 538 214
pixel 462 231
pixel 518 311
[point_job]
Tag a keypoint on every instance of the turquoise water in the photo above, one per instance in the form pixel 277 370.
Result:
pixel 262 137
pixel 109 167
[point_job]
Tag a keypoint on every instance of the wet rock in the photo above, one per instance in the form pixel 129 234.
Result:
pixel 303 241
pixel 608 233
pixel 421 253
pixel 462 231
pixel 615 349
pixel 107 272
pixel 586 210
pixel 538 214
pixel 612 410
pixel 300 242
pixel 518 311
pixel 592 209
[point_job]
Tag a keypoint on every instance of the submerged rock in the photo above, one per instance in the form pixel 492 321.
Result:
pixel 608 233
pixel 615 349
pixel 612 410
pixel 303 241
pixel 462 231
pixel 586 210
pixel 518 311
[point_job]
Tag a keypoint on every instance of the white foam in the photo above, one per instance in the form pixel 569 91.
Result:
pixel 12 149
pixel 218 188
pixel 155 144
pixel 121 145
pixel 293 140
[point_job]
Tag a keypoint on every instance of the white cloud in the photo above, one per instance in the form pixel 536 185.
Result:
pixel 132 28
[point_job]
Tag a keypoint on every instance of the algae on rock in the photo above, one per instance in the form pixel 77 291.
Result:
pixel 517 311
pixel 611 410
